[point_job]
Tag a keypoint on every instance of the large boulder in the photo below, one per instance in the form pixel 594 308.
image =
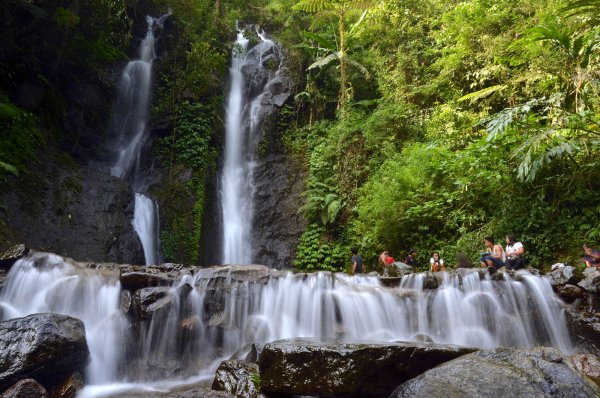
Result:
pixel 564 275
pixel 235 377
pixel 161 301
pixel 509 372
pixel 27 388
pixel 44 347
pixel 365 369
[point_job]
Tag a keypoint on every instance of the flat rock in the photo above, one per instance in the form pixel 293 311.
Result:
pixel 509 372
pixel 27 388
pixel 44 347
pixel 346 368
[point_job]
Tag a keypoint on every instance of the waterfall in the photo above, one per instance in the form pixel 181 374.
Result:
pixel 251 80
pixel 130 122
pixel 214 312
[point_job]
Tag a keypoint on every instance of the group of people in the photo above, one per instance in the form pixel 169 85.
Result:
pixel 493 255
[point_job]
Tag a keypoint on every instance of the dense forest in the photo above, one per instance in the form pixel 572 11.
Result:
pixel 427 124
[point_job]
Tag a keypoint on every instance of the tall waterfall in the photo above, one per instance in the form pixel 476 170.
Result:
pixel 250 82
pixel 130 122
pixel 214 312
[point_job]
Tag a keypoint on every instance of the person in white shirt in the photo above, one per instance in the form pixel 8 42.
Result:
pixel 514 252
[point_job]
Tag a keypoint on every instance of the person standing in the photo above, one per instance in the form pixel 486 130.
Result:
pixel 357 262
pixel 514 252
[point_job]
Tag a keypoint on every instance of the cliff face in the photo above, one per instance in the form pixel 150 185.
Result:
pixel 63 199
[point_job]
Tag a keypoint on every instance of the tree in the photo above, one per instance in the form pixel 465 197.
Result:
pixel 340 9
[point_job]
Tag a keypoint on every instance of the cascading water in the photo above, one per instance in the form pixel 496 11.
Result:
pixel 215 312
pixel 250 81
pixel 130 124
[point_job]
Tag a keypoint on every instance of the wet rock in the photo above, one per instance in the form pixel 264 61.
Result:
pixel 45 347
pixel 70 387
pixel 150 300
pixel 126 301
pixel 570 293
pixel 135 277
pixel 587 364
pixel 325 368
pixel 218 394
pixel 10 256
pixel 431 281
pixel 561 276
pixel 277 225
pixel 235 273
pixel 591 280
pixel 235 377
pixel 585 328
pixel 27 388
pixel 539 372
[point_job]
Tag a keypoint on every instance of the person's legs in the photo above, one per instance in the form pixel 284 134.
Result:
pixel 510 263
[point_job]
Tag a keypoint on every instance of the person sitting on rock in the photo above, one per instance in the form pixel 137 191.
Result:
pixel 437 264
pixel 411 259
pixel 514 253
pixel 494 255
pixel 591 257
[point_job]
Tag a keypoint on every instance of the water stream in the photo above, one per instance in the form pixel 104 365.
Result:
pixel 251 75
pixel 212 314
pixel 130 124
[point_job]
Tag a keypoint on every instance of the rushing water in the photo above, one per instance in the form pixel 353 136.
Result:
pixel 212 314
pixel 130 123
pixel 250 80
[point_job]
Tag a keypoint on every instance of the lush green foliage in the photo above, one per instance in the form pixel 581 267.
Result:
pixel 482 119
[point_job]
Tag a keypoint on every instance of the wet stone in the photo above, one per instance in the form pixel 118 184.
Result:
pixel 27 388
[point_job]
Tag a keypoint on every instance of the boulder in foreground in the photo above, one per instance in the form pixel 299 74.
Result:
pixel 509 372
pixel 339 368
pixel 45 347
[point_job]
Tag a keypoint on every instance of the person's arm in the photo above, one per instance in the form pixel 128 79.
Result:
pixel 353 267
pixel 498 252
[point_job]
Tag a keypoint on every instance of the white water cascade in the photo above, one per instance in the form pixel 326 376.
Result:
pixel 215 312
pixel 250 80
pixel 130 124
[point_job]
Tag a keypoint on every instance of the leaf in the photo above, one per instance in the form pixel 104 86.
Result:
pixel 323 61
pixel 321 40
pixel 477 95
pixel 313 6
pixel 358 23
pixel 360 67
pixel 8 167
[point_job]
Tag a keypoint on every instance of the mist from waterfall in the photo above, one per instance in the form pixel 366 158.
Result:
pixel 130 123
pixel 250 81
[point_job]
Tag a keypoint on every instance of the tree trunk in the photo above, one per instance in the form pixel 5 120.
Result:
pixel 342 103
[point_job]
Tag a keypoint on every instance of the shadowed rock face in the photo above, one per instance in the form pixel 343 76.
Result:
pixel 82 214
pixel 234 377
pixel 45 347
pixel 510 372
pixel 330 368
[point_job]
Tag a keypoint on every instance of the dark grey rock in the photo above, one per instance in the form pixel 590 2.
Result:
pixel 509 372
pixel 234 377
pixel 570 293
pixel 10 256
pixel 366 369
pixel 69 388
pixel 248 353
pixel 76 212
pixel 45 347
pixel 27 388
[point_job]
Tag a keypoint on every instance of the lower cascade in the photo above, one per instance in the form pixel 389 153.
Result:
pixel 138 335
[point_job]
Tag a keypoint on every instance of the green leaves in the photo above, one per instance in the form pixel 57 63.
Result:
pixel 314 6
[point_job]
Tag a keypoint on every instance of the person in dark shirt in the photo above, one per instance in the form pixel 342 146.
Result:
pixel 411 259
pixel 357 262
